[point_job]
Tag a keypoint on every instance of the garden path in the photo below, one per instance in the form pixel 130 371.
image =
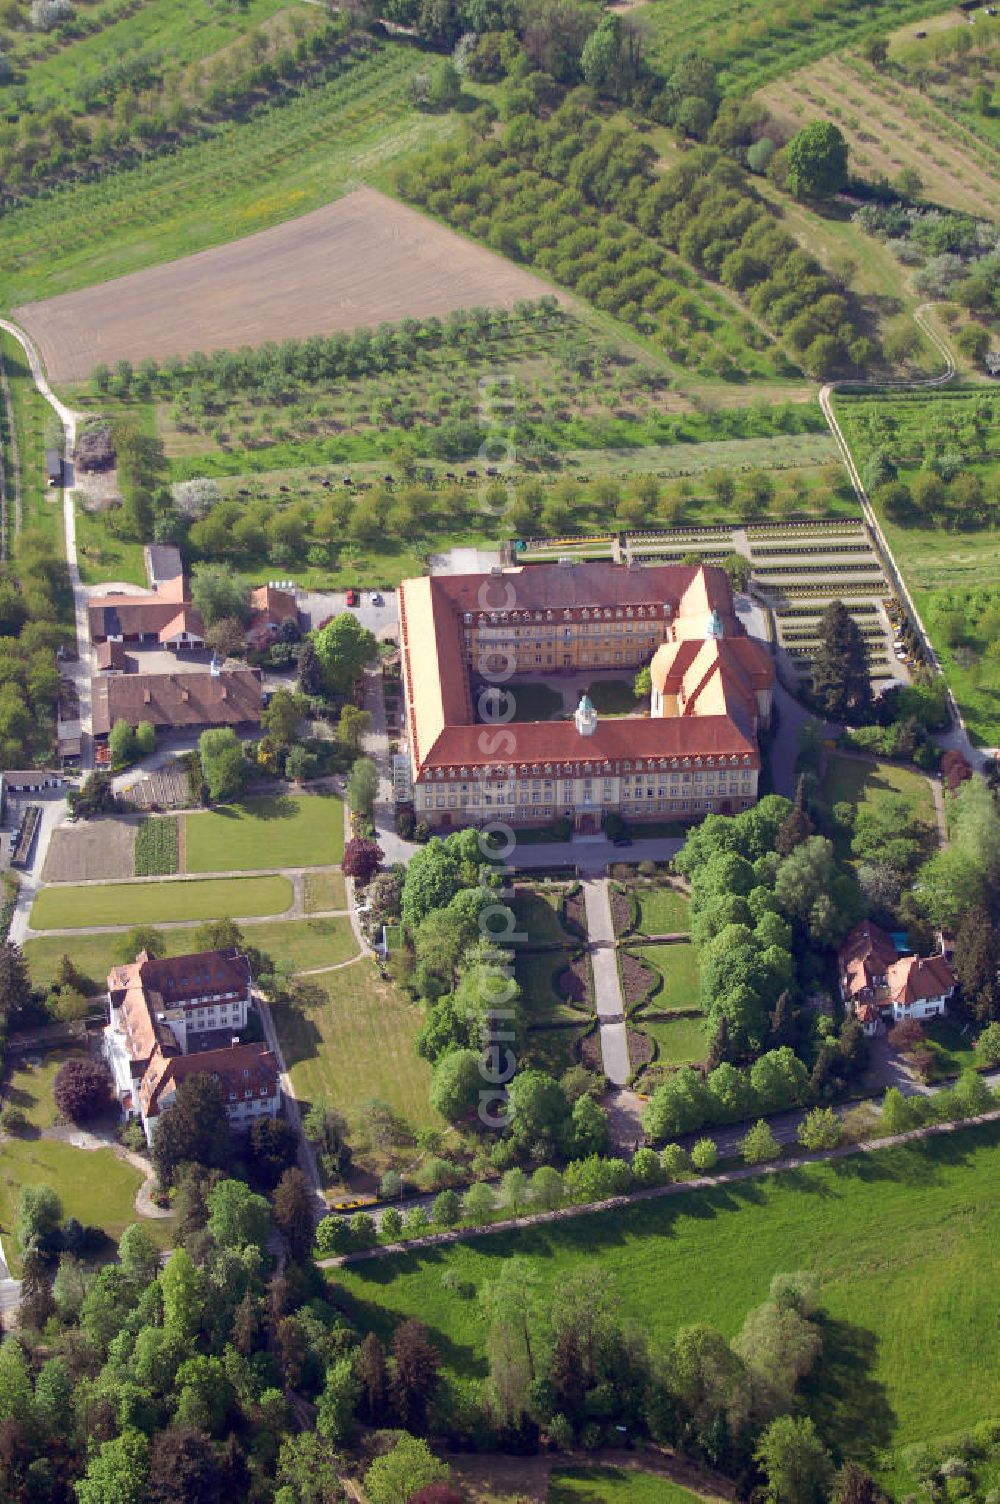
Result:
pixel 607 984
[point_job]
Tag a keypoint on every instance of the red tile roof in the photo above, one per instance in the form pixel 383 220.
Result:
pixel 240 1069
pixel 914 979
pixel 439 710
pixel 865 956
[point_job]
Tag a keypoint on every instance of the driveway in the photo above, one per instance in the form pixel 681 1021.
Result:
pixel 55 811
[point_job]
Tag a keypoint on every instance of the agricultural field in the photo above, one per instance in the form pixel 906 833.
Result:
pixel 890 128
pixel 355 1044
pixel 284 830
pixel 362 260
pixel 92 849
pixel 156 847
pixel 952 66
pixel 907 1356
pixel 244 177
pixel 68 907
pixel 759 40
pixel 945 544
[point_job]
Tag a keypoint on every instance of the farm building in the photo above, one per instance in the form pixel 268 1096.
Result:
pixel 140 619
pixel 53 467
pixel 111 658
pixel 30 781
pixel 177 702
pixel 165 570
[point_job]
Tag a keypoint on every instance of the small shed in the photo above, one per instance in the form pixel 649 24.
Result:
pixel 53 467
pixel 991 361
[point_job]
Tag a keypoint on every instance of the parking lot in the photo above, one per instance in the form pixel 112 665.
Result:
pixel 381 619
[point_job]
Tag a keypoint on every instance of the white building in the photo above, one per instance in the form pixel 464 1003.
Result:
pixel 181 1015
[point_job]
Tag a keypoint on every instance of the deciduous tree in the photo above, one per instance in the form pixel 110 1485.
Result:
pixel 82 1089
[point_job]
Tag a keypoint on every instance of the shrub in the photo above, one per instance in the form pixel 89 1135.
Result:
pixel 674 1162
pixel 704 1155
pixel 12 1119
pixel 333 1235
pixel 759 1144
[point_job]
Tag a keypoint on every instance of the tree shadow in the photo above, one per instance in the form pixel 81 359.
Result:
pixel 849 1405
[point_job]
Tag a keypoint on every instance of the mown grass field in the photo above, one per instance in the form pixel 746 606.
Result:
pixel 284 830
pixel 538 914
pixel 93 1184
pixel 69 907
pixel 358 1045
pixel 302 943
pixel 902 1241
pixel 663 911
pixel 613 1485
pixel 323 890
pixel 680 1041
pixel 678 966
pixel 246 176
pixel 536 974
pixel 30 1086
pixel 858 781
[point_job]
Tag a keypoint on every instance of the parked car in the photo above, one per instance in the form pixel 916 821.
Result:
pixel 352 598
pixel 376 599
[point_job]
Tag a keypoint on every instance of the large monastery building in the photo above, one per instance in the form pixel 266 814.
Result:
pixel 695 751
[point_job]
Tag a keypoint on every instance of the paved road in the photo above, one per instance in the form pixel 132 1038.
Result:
pixel 607 983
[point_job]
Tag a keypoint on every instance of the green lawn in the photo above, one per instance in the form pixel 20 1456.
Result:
pixel 30 1086
pixel 538 913
pixel 283 830
pixel 535 975
pixel 678 966
pixel 614 697
pixel 903 1242
pixel 613 1485
pixel 680 1041
pixel 662 911
pixel 67 907
pixel 324 890
pixel 953 1051
pixel 94 1185
pixel 303 942
pixel 359 1044
pixel 857 781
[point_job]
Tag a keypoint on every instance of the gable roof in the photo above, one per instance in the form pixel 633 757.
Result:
pixel 186 620
pixel 239 1069
pixel 128 615
pixel 914 979
pixel 865 955
pixel 230 698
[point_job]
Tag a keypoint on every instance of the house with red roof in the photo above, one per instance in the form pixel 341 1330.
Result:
pixel 171 1017
pixel 880 986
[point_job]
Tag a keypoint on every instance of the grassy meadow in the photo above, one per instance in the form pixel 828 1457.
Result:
pixel 285 830
pixel 679 1041
pixel 69 907
pixel 613 1485
pixel 662 911
pixel 677 964
pixel 902 1241
pixel 94 1185
pixel 858 781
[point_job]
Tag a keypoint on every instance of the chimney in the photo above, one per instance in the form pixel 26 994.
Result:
pixel 147 697
pixel 223 692
pixel 185 695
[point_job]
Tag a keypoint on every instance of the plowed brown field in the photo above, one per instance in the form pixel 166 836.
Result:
pixel 360 261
